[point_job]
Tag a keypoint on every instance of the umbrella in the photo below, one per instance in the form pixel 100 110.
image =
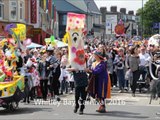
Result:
pixel 60 43
pixel 34 45
pixel 154 40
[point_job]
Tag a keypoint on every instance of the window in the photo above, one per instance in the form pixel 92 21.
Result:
pixel 21 11
pixel 63 19
pixel 1 9
pixel 13 10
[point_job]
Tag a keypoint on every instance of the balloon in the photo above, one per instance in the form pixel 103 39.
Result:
pixel 27 42
pixel 52 38
pixel 47 41
pixel 8 28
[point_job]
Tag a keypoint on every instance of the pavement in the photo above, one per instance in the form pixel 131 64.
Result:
pixel 122 106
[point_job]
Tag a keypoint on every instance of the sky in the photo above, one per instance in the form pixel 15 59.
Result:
pixel 128 4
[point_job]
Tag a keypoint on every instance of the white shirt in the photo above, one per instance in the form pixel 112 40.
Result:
pixel 144 59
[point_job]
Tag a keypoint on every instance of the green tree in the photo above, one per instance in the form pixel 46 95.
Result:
pixel 149 14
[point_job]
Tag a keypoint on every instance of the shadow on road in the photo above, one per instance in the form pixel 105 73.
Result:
pixel 24 110
pixel 122 114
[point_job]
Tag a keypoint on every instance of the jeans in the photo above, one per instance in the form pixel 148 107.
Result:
pixel 121 79
pixel 44 88
pixel 64 86
pixel 134 82
pixel 114 78
pixel 54 86
pixel 143 72
pixel 71 85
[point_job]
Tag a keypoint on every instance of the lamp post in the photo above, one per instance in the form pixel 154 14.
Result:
pixel 88 16
pixel 142 19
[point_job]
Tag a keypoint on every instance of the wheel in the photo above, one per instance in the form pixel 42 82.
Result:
pixel 13 106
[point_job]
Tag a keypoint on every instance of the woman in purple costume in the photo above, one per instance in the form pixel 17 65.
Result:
pixel 98 86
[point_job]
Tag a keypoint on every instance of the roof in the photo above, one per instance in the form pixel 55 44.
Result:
pixel 92 6
pixel 79 4
pixel 65 6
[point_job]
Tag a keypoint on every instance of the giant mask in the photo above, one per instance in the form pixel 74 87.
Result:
pixel 75 37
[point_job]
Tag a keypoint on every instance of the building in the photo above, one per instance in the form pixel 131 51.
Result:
pixel 94 20
pixel 88 7
pixel 111 18
pixel 11 11
pixel 38 15
pixel 39 19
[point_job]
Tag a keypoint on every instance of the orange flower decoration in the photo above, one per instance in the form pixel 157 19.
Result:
pixel 80 57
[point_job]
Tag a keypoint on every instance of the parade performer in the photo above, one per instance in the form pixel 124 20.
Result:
pixel 99 84
pixel 75 37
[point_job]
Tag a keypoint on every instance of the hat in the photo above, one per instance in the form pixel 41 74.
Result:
pixel 99 54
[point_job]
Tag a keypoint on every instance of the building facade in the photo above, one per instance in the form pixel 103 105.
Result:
pixel 88 7
pixel 11 11
pixel 111 18
pixel 38 15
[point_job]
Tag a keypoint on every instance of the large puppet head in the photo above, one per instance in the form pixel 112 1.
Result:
pixel 154 40
pixel 75 32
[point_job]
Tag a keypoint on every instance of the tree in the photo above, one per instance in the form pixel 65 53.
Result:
pixel 149 15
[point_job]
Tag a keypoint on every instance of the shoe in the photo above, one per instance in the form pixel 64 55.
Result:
pixel 71 92
pixel 126 89
pixel 89 99
pixel 133 95
pixel 121 91
pixel 101 109
pixel 56 97
pixel 76 109
pixel 80 112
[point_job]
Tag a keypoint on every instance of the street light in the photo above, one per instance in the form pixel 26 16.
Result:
pixel 142 19
pixel 87 16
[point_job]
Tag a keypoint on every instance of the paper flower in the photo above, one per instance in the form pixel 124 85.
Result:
pixel 80 57
pixel 73 49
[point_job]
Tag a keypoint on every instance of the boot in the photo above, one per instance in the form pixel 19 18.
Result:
pixel 101 109
pixel 81 110
pixel 76 108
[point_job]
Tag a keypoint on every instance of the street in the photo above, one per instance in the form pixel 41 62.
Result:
pixel 121 106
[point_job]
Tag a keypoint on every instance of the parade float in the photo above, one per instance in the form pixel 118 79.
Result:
pixel 11 81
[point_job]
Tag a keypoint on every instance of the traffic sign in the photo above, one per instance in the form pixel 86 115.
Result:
pixel 156 25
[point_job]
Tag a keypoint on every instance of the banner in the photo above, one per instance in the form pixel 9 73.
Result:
pixel 33 11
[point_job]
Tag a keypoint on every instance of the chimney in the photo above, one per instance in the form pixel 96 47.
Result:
pixel 113 8
pixel 131 12
pixel 123 10
pixel 103 11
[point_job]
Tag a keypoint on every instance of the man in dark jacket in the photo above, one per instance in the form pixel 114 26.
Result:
pixel 53 72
